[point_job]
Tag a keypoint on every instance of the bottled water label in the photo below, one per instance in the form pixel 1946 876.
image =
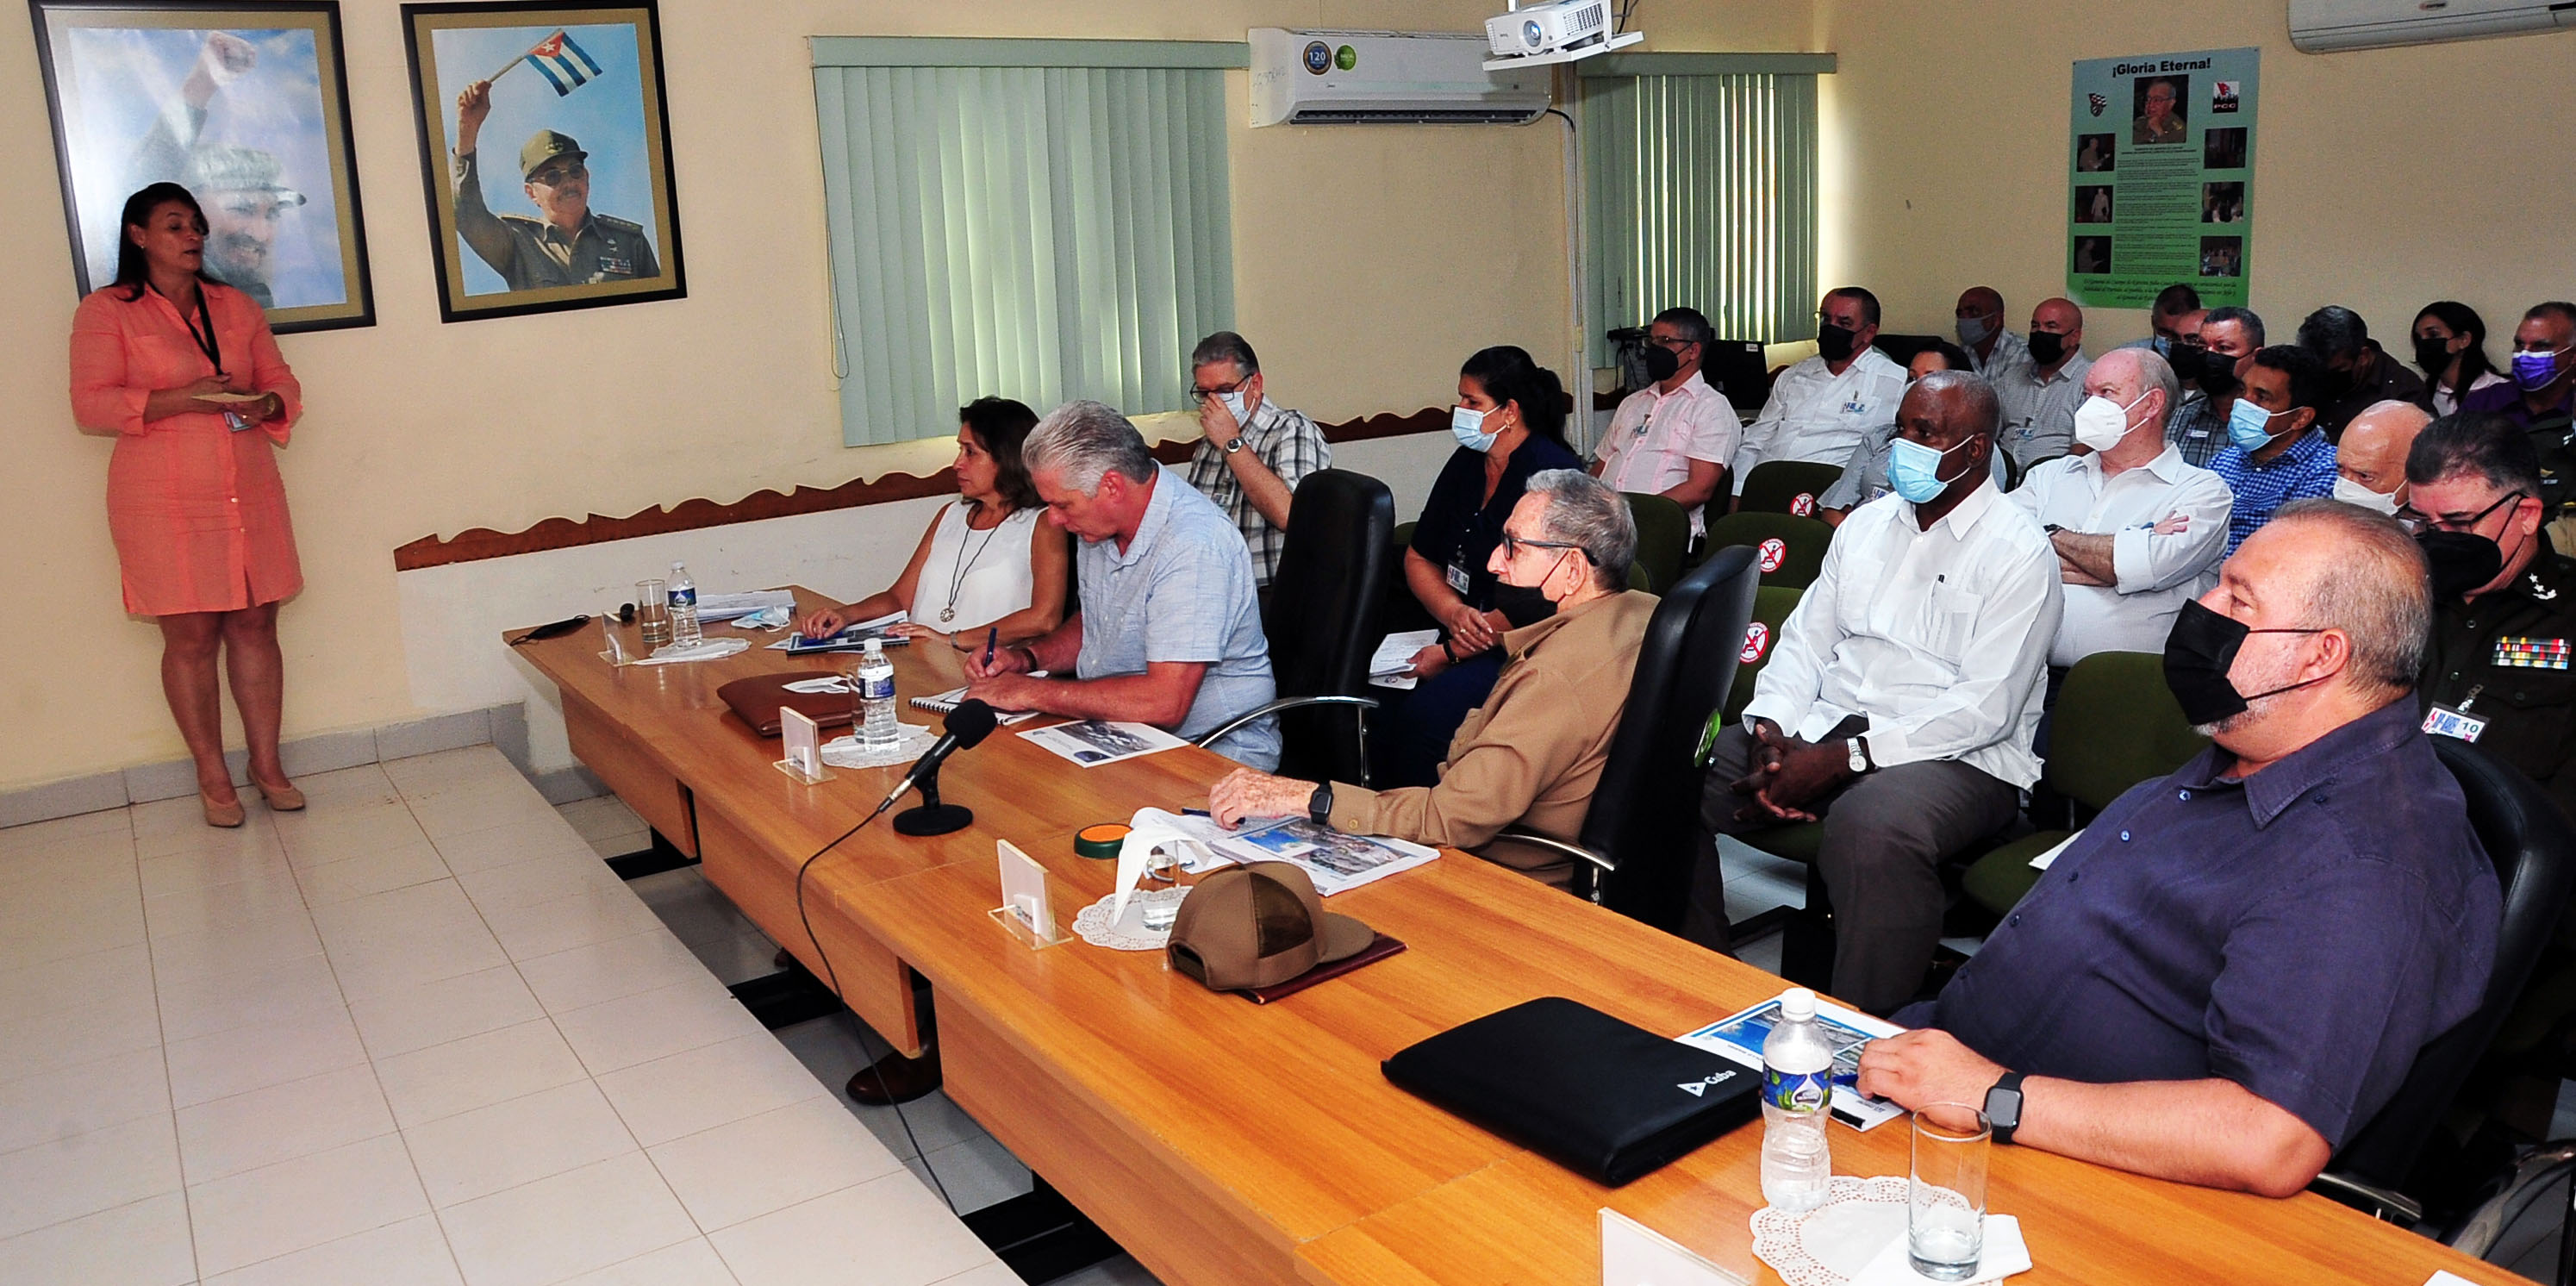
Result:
pixel 684 596
pixel 1800 1092
pixel 877 687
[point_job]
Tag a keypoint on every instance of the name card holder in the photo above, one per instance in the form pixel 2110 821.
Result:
pixel 803 741
pixel 1634 1255
pixel 1026 910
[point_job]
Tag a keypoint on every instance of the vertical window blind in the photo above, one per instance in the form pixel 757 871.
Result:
pixel 1700 173
pixel 1034 219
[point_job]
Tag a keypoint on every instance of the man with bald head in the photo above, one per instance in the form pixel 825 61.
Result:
pixel 1900 698
pixel 2039 399
pixel 1992 348
pixel 2138 531
pixel 2370 462
pixel 2232 970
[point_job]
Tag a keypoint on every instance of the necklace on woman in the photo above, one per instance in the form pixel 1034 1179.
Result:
pixel 965 564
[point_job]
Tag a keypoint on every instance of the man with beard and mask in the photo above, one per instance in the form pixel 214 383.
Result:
pixel 2370 462
pixel 1820 408
pixel 2229 973
pixel 2223 340
pixel 1899 700
pixel 2357 372
pixel 2504 603
pixel 2138 531
pixel 1674 437
pixel 2274 453
pixel 2542 392
pixel 1532 753
pixel 2039 399
pixel 1992 349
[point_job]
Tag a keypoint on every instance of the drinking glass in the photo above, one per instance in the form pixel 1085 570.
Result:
pixel 653 614
pixel 608 633
pixel 1945 1216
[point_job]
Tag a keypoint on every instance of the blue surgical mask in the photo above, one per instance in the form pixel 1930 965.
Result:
pixel 1234 405
pixel 1468 426
pixel 2533 371
pixel 1914 470
pixel 2248 425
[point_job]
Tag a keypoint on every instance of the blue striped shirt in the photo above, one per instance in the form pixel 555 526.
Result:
pixel 2306 469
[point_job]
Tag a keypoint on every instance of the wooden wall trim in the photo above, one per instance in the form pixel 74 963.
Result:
pixel 563 533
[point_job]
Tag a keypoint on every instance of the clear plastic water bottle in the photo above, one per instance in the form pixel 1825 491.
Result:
pixel 873 684
pixel 1797 1095
pixel 684 607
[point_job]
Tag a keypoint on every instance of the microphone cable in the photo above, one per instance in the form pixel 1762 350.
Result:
pixel 833 978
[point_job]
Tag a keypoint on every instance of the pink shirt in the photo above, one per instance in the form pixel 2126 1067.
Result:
pixel 197 510
pixel 1655 435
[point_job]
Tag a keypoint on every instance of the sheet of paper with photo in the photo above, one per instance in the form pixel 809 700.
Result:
pixel 1093 742
pixel 1335 861
pixel 1739 1036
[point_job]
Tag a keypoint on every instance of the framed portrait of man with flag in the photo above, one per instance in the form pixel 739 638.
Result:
pixel 545 154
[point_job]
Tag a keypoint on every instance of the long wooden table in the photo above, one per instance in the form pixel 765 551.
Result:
pixel 1224 1142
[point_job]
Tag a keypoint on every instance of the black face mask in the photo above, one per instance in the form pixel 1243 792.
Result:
pixel 2217 374
pixel 2433 353
pixel 1522 605
pixel 2198 654
pixel 2460 561
pixel 2046 347
pixel 1836 343
pixel 2335 385
pixel 1661 365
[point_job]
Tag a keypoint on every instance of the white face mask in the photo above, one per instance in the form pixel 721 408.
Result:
pixel 2353 493
pixel 1234 406
pixel 2100 423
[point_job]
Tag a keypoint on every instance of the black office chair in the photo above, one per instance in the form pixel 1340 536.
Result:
pixel 2535 859
pixel 1639 847
pixel 1322 623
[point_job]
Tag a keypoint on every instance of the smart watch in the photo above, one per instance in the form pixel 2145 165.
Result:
pixel 2003 1106
pixel 1319 806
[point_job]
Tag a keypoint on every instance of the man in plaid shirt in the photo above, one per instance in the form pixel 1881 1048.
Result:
pixel 1255 452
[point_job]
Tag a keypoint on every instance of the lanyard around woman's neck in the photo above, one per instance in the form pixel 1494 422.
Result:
pixel 205 338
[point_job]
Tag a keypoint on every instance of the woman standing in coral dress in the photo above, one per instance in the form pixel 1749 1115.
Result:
pixel 183 370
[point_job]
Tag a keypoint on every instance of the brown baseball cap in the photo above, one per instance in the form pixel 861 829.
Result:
pixel 1257 926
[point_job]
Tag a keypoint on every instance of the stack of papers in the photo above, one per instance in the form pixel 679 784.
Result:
pixel 1093 742
pixel 1739 1036
pixel 1391 666
pixel 852 635
pixel 725 607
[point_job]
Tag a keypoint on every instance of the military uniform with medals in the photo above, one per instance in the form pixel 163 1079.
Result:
pixel 2498 674
pixel 531 253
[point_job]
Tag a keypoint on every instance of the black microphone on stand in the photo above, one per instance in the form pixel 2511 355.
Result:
pixel 968 725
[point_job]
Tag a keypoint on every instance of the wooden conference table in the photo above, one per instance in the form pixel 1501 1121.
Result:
pixel 1225 1143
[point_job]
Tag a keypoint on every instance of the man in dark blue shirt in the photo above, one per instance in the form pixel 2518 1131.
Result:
pixel 2232 969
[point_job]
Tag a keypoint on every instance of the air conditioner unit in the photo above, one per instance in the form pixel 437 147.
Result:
pixel 1386 78
pixel 2325 26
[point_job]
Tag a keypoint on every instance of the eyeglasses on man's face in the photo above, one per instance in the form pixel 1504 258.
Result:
pixel 2417 520
pixel 1513 545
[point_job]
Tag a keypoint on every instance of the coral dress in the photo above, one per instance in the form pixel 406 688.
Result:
pixel 197 510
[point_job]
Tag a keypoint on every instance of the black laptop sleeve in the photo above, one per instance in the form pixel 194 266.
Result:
pixel 1602 1097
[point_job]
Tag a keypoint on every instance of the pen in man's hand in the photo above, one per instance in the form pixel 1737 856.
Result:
pixel 991 636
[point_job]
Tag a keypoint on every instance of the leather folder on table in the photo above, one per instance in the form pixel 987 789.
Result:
pixel 1604 1098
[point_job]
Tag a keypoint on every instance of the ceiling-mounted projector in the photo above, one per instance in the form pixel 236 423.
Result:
pixel 1557 32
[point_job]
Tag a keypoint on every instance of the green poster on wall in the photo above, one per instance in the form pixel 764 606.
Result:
pixel 2160 166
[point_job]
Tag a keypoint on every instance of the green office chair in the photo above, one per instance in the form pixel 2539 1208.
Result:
pixel 1786 486
pixel 1771 607
pixel 1663 536
pixel 2116 724
pixel 1790 549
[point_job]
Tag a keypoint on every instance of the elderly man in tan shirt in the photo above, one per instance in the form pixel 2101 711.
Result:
pixel 1534 751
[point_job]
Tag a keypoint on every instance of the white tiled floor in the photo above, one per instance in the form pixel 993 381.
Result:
pixel 417 1034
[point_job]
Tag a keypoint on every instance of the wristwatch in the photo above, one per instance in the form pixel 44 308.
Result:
pixel 2003 1106
pixel 1859 756
pixel 1319 806
pixel 1235 445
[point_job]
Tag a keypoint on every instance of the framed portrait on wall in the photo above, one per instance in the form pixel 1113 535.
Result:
pixel 545 155
pixel 246 105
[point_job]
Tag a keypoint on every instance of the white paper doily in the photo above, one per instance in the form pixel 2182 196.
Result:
pixel 845 751
pixel 1130 933
pixel 1831 1244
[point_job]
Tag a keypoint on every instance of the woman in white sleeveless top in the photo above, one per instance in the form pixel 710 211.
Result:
pixel 989 562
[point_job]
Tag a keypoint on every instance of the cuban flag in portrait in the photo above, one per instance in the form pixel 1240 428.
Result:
pixel 563 64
